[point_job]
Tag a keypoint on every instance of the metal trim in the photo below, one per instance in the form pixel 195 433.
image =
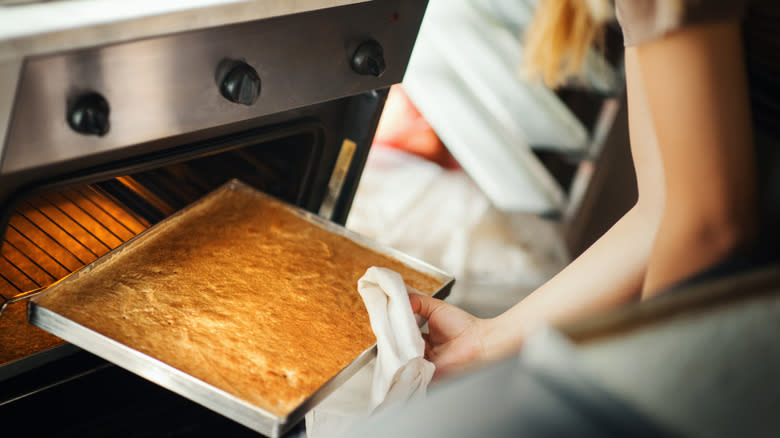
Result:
pixel 337 178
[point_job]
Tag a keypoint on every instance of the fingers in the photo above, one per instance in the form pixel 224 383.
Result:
pixel 424 305
pixel 415 303
pixel 427 352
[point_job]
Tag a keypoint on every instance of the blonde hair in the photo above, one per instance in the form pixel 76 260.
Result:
pixel 559 36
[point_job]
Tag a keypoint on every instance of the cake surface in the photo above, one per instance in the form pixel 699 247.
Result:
pixel 238 292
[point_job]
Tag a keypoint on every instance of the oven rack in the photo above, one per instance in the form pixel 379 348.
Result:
pixel 57 233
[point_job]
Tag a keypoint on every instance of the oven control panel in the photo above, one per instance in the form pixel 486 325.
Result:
pixel 94 101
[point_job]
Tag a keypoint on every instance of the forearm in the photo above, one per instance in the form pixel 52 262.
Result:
pixel 612 270
pixel 609 273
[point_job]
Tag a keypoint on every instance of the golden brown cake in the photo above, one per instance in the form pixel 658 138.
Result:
pixel 238 292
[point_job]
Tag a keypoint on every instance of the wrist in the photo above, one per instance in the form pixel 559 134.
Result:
pixel 499 337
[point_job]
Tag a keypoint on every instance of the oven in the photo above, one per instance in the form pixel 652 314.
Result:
pixel 112 123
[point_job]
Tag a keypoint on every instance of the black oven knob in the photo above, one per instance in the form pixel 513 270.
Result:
pixel 369 59
pixel 88 114
pixel 241 83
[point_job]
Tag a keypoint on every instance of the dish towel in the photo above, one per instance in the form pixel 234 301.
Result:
pixel 399 372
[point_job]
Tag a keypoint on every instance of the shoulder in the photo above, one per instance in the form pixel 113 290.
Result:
pixel 646 20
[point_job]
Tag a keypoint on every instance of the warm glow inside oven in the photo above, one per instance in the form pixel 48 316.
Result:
pixel 54 234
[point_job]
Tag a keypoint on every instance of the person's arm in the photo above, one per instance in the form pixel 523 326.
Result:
pixel 696 196
pixel 609 273
pixel 698 98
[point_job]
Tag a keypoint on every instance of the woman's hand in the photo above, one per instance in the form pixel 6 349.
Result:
pixel 455 338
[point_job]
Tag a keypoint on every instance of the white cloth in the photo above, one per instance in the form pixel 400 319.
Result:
pixel 399 373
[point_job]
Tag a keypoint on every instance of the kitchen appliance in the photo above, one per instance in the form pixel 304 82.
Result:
pixel 115 115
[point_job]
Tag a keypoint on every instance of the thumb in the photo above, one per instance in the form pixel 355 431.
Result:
pixel 424 305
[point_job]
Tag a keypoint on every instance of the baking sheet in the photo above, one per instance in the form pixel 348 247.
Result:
pixel 185 384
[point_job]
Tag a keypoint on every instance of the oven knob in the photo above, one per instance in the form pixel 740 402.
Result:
pixel 241 84
pixel 88 114
pixel 369 59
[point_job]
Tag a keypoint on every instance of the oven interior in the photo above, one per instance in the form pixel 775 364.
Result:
pixel 52 234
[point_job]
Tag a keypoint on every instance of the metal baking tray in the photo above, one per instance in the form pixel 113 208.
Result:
pixel 189 386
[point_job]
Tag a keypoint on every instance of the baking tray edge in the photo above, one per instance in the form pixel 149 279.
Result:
pixel 155 371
